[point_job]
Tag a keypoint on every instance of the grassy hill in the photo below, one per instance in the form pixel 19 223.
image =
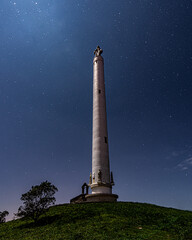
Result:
pixel 121 220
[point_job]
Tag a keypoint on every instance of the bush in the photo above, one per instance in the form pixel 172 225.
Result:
pixel 3 215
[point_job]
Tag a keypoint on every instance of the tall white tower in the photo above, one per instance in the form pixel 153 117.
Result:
pixel 101 180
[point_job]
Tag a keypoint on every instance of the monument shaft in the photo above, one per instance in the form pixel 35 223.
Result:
pixel 101 182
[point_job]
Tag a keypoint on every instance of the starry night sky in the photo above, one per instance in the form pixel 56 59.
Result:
pixel 46 53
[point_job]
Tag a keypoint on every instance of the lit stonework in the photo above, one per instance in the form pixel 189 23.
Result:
pixel 100 180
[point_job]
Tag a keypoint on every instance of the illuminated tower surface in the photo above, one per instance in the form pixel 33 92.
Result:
pixel 101 180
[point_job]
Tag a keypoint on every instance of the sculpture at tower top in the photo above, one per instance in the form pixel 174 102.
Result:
pixel 98 51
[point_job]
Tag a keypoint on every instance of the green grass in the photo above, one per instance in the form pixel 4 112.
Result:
pixel 121 220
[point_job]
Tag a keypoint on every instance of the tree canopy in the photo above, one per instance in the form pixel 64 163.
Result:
pixel 37 200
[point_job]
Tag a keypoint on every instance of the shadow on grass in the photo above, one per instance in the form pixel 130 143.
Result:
pixel 41 222
pixel 58 219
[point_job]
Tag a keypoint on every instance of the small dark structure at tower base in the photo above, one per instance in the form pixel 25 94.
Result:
pixel 81 198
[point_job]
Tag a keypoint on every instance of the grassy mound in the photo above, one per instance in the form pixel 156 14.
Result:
pixel 121 220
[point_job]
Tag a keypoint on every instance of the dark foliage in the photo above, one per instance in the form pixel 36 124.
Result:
pixel 37 200
pixel 3 216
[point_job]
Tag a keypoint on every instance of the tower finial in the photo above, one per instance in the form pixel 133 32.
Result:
pixel 98 51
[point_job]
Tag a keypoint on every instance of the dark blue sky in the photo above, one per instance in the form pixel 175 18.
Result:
pixel 46 97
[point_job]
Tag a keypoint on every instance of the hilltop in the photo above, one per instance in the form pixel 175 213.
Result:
pixel 121 220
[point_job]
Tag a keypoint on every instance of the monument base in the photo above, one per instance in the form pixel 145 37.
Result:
pixel 101 197
pixel 78 199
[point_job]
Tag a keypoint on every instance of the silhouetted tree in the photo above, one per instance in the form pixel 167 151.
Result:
pixel 3 216
pixel 37 200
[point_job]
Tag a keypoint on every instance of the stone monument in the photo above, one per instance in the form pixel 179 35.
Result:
pixel 100 180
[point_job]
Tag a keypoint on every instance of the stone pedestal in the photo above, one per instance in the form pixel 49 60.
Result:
pixel 101 197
